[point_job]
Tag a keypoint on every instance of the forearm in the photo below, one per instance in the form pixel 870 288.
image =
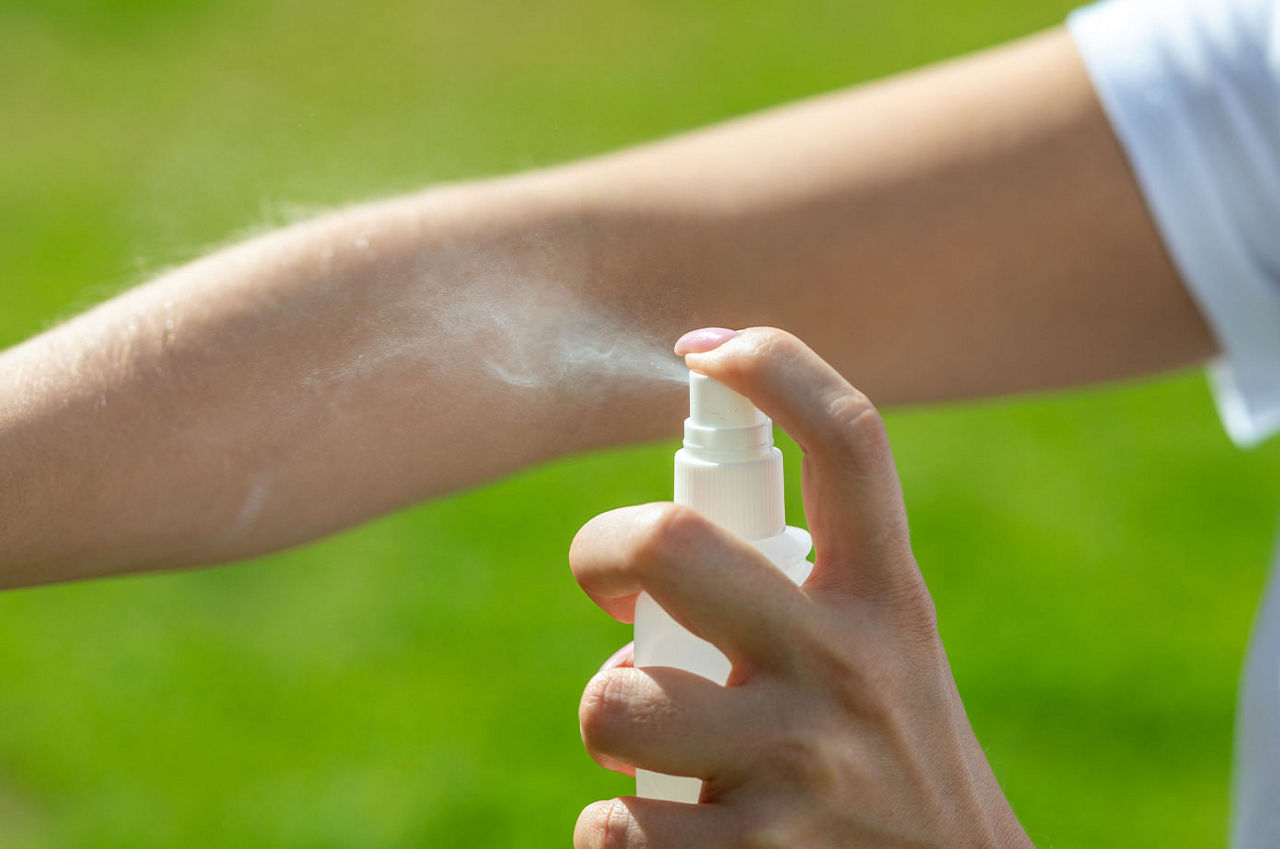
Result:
pixel 298 383
pixel 971 229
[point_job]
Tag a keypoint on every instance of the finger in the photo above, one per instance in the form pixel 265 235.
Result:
pixel 853 499
pixel 666 720
pixel 623 657
pixel 631 823
pixel 614 765
pixel 710 581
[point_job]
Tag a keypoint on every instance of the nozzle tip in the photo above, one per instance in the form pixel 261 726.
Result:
pixel 712 404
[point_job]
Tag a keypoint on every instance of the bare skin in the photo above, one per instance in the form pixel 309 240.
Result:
pixel 841 726
pixel 969 229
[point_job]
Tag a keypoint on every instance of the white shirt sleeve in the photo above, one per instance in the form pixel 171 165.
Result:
pixel 1192 90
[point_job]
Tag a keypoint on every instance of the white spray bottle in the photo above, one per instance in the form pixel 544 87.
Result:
pixel 729 471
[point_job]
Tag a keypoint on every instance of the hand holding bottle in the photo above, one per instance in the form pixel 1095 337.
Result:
pixel 840 725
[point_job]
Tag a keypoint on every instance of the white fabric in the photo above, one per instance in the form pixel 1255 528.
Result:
pixel 1192 89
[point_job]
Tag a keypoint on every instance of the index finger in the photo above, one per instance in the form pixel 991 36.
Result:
pixel 710 581
pixel 853 499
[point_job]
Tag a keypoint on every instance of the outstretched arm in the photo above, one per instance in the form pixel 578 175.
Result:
pixel 969 229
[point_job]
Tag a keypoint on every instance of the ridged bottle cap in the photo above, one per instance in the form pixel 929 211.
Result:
pixel 729 469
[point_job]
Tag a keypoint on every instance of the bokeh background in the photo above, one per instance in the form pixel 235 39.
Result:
pixel 1096 557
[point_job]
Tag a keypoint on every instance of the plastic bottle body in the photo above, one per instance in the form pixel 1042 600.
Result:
pixel 661 641
pixel 729 471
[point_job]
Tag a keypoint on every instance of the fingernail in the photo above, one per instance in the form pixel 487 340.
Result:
pixel 624 656
pixel 702 340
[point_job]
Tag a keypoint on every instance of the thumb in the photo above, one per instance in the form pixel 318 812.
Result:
pixel 853 500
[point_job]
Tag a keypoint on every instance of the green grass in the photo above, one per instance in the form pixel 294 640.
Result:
pixel 1095 557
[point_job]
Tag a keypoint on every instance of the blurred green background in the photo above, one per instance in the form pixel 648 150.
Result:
pixel 1095 557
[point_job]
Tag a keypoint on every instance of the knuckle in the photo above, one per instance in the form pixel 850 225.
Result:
pixel 603 825
pixel 851 679
pixel 603 703
pixel 804 756
pixel 787 825
pixel 857 423
pixel 665 531
pixel 615 831
pixel 768 833
pixel 765 347
pixel 910 608
pixel 823 762
pixel 765 837
pixel 774 340
pixel 921 612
